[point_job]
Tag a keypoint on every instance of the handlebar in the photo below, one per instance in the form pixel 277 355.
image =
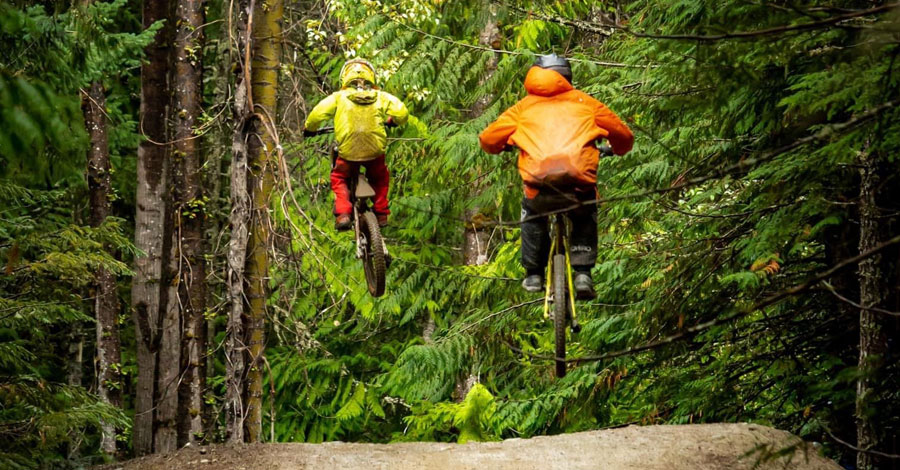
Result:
pixel 324 130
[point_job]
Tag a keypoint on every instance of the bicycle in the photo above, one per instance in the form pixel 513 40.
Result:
pixel 560 287
pixel 370 246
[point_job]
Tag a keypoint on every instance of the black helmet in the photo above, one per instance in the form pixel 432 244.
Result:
pixel 555 63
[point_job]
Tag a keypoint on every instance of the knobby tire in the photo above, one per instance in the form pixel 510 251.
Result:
pixel 560 310
pixel 373 258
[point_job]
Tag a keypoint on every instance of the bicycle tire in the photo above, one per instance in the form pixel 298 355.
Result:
pixel 373 257
pixel 560 312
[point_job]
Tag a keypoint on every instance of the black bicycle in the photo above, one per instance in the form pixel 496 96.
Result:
pixel 370 246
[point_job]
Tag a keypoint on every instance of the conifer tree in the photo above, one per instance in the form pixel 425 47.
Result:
pixel 189 215
pixel 106 300
pixel 262 160
pixel 147 294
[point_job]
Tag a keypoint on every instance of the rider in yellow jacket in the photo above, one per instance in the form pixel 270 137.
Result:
pixel 360 113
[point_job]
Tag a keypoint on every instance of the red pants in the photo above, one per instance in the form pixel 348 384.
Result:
pixel 377 174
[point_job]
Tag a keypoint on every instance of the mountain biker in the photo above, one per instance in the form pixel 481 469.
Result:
pixel 360 112
pixel 555 127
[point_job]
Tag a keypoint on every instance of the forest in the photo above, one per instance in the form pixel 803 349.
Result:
pixel 171 273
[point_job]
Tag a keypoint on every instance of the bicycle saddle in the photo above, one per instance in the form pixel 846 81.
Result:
pixel 363 188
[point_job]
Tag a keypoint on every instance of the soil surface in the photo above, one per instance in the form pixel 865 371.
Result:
pixel 704 446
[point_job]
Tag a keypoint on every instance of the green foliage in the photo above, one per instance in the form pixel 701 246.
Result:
pixel 762 215
pixel 727 199
pixel 49 254
pixel 474 419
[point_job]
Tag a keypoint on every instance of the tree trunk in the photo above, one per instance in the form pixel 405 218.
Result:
pixel 872 334
pixel 149 221
pixel 74 364
pixel 237 245
pixel 477 239
pixel 189 215
pixel 106 301
pixel 168 360
pixel 265 46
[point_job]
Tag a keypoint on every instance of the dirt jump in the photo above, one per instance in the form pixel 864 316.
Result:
pixel 703 446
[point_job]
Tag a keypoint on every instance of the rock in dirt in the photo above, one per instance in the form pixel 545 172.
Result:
pixel 703 446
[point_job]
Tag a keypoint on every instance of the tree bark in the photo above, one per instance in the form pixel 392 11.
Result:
pixel 170 324
pixel 237 245
pixel 189 216
pixel 266 46
pixel 106 301
pixel 872 330
pixel 477 235
pixel 146 290
pixel 168 359
pixel 74 364
pixel 477 238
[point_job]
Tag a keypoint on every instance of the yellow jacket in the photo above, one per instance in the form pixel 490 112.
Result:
pixel 359 117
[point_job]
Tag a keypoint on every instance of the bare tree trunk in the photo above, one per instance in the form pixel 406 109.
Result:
pixel 189 215
pixel 266 46
pixel 477 238
pixel 237 245
pixel 872 333
pixel 75 361
pixel 106 303
pixel 149 222
pixel 168 360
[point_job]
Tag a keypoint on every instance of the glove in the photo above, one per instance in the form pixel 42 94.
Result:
pixel 389 122
pixel 308 133
pixel 605 150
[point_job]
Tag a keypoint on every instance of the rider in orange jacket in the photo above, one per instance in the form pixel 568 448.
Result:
pixel 555 128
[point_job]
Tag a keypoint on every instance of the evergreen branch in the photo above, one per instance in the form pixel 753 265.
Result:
pixel 857 449
pixel 497 313
pixel 514 53
pixel 453 271
pixel 834 291
pixel 590 27
pixel 699 328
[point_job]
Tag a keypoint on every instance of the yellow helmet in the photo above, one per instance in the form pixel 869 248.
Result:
pixel 357 69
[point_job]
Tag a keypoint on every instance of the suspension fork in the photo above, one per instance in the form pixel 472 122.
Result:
pixel 560 241
pixel 564 227
pixel 354 202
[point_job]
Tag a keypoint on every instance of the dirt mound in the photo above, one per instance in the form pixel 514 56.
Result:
pixel 705 446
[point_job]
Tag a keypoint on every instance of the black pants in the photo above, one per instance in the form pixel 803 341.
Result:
pixel 536 230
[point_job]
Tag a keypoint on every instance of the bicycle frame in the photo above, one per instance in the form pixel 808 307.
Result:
pixel 360 192
pixel 560 227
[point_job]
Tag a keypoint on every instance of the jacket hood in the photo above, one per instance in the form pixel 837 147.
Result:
pixel 362 96
pixel 357 69
pixel 546 82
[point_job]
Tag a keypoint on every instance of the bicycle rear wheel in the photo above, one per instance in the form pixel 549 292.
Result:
pixel 560 311
pixel 373 254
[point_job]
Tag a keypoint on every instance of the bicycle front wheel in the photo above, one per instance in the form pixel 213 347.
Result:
pixel 373 255
pixel 560 311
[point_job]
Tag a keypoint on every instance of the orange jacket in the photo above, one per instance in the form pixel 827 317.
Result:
pixel 555 127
